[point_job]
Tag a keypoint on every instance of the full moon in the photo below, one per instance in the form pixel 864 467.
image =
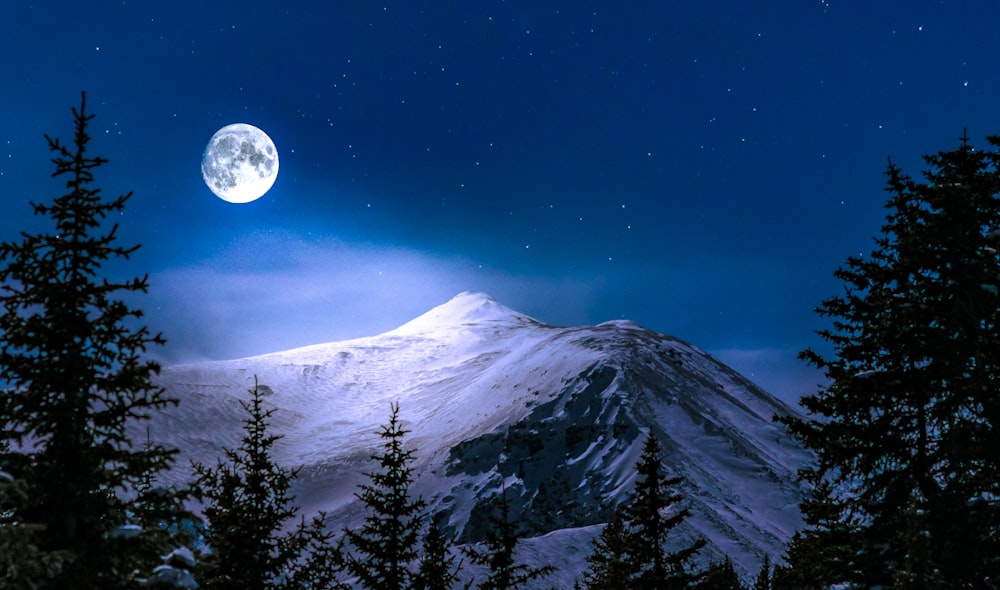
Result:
pixel 240 163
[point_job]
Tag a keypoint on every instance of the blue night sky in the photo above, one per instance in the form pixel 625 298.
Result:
pixel 700 168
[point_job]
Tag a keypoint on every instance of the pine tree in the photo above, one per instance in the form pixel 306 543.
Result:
pixel 505 573
pixel 819 555
pixel 763 579
pixel 248 505
pixel 438 567
pixel 23 566
pixel 907 429
pixel 162 514
pixel 652 566
pixel 918 569
pixel 74 378
pixel 386 545
pixel 721 576
pixel 609 558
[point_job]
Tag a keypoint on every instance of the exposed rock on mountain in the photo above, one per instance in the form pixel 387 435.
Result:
pixel 494 399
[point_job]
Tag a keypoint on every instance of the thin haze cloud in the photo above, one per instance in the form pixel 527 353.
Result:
pixel 274 291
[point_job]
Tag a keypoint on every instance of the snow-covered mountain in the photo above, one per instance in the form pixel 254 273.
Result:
pixel 494 398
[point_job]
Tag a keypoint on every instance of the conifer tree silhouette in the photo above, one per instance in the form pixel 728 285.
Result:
pixel 907 428
pixel 248 506
pixel 763 579
pixel 387 544
pixel 651 565
pixel 609 558
pixel 438 568
pixel 74 376
pixel 720 576
pixel 504 571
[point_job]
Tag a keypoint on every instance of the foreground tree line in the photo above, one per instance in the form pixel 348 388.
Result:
pixel 904 495
pixel 401 546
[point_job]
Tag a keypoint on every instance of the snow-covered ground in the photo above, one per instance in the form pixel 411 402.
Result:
pixel 494 398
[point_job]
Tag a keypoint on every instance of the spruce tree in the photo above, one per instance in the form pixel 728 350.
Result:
pixel 505 573
pixel 820 554
pixel 763 579
pixel 438 567
pixel 609 558
pixel 23 566
pixel 386 545
pixel 907 429
pixel 720 576
pixel 651 565
pixel 248 506
pixel 74 377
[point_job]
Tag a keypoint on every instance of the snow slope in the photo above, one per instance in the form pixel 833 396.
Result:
pixel 493 398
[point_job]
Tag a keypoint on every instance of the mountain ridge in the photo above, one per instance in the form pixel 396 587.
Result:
pixel 497 400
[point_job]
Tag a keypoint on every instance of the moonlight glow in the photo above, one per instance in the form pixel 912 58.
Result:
pixel 240 163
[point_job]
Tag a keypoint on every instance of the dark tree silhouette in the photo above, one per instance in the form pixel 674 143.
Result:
pixel 248 506
pixel 631 552
pixel 908 427
pixel 386 545
pixel 720 576
pixel 505 573
pixel 763 579
pixel 609 559
pixel 74 377
pixel 23 565
pixel 651 565
pixel 438 567
pixel 818 556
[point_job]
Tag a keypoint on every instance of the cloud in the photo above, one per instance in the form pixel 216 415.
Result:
pixel 270 291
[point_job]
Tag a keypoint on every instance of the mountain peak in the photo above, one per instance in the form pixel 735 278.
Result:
pixel 554 418
pixel 468 307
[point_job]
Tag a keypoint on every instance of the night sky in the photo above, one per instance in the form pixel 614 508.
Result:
pixel 700 168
